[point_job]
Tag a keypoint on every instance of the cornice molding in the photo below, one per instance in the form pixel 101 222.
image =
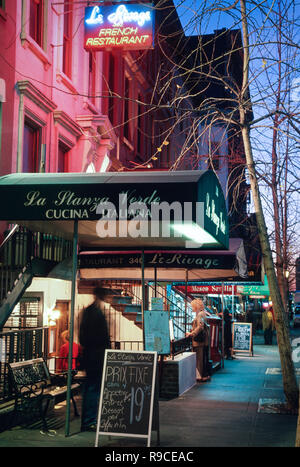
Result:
pixel 35 95
pixel 63 119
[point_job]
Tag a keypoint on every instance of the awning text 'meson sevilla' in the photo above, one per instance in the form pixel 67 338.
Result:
pixel 184 209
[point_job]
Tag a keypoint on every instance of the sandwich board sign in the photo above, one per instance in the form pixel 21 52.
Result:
pixel 127 394
pixel 242 338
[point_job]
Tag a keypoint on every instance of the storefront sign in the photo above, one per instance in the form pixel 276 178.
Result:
pixel 208 289
pixel 187 205
pixel 215 218
pixel 157 260
pixel 256 291
pixel 126 27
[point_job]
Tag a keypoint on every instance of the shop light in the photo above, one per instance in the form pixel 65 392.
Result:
pixel 53 316
pixel 195 233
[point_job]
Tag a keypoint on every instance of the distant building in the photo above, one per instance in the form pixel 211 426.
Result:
pixel 298 274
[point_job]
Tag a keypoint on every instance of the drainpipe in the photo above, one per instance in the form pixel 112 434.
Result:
pixel 143 294
pixel 20 134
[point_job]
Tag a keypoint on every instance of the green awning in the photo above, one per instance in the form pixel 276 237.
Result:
pixel 255 290
pixel 48 202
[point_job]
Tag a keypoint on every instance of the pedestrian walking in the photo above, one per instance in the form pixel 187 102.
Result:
pixel 200 340
pixel 268 326
pixel 94 339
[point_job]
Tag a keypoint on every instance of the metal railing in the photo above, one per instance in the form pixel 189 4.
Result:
pixel 182 319
pixel 127 345
pixel 18 249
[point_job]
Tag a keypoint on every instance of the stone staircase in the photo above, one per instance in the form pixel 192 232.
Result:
pixel 23 256
pixel 129 310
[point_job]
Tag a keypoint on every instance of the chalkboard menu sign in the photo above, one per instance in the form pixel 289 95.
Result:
pixel 127 394
pixel 242 337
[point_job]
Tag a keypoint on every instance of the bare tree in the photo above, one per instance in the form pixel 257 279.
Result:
pixel 198 90
pixel 271 44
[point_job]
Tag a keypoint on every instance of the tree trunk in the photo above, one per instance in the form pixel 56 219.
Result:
pixel 288 371
pixel 275 181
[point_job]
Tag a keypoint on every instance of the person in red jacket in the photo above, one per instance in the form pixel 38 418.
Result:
pixel 64 353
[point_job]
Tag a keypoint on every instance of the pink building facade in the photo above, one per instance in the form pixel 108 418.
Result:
pixel 49 122
pixel 58 113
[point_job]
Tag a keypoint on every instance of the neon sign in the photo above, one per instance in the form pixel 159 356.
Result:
pixel 96 17
pixel 119 26
pixel 122 15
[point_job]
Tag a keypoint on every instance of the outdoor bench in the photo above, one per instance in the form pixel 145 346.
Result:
pixel 34 387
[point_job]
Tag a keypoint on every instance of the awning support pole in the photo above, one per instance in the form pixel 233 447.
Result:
pixel 222 366
pixel 233 313
pixel 186 300
pixel 143 295
pixel 71 326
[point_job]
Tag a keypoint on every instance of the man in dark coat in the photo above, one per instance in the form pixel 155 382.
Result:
pixel 94 339
pixel 227 335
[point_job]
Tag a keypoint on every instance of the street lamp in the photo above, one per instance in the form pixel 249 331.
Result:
pixel 286 275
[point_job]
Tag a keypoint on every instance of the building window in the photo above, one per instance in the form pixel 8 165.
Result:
pixel 36 21
pixel 67 39
pixel 31 148
pixel 213 145
pixel 92 77
pixel 126 107
pixel 27 314
pixel 63 158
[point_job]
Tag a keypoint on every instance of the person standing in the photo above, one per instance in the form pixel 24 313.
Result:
pixel 201 348
pixel 94 339
pixel 62 364
pixel 227 335
pixel 268 326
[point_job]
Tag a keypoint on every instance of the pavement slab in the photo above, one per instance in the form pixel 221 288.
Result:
pixel 225 412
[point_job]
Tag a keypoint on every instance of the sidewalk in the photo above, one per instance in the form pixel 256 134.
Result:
pixel 221 413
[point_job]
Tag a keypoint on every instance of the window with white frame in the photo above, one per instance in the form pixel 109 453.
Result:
pixel 31 147
pixel 213 145
pixel 36 21
pixel 63 157
pixel 67 39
